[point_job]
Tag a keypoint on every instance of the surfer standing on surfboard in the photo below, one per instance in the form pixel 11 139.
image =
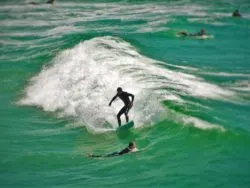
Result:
pixel 124 96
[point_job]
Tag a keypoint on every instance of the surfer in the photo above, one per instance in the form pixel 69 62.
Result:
pixel 236 13
pixel 202 32
pixel 48 2
pixel 129 149
pixel 124 96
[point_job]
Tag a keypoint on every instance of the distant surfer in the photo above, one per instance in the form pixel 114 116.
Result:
pixel 124 96
pixel 129 149
pixel 48 2
pixel 201 33
pixel 236 13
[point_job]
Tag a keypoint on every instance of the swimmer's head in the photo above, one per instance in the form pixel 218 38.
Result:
pixel 131 145
pixel 203 31
pixel 236 13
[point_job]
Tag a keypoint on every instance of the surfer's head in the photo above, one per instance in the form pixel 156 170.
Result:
pixel 119 90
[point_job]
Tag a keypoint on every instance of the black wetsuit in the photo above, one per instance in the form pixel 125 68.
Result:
pixel 124 96
pixel 184 33
pixel 236 14
pixel 199 34
pixel 48 2
pixel 122 152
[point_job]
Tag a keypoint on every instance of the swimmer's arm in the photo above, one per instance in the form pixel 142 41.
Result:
pixel 103 156
pixel 94 156
pixel 124 151
pixel 194 34
pixel 134 150
pixel 50 1
pixel 184 33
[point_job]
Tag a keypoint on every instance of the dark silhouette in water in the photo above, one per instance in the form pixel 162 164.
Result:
pixel 236 13
pixel 124 96
pixel 129 149
pixel 202 32
pixel 48 2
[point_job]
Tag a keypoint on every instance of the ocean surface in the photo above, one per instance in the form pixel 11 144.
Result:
pixel 60 66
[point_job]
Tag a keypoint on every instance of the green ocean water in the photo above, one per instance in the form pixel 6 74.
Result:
pixel 60 66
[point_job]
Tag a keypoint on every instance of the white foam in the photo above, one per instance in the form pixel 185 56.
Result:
pixel 154 16
pixel 81 81
pixel 226 74
pixel 201 124
pixel 243 85
pixel 182 67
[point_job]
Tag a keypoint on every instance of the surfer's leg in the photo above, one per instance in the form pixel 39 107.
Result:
pixel 126 112
pixel 127 118
pixel 123 110
pixel 119 120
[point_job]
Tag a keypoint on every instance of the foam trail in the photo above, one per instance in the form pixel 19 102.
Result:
pixel 243 85
pixel 225 74
pixel 200 123
pixel 81 81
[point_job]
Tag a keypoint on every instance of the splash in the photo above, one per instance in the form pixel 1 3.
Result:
pixel 81 81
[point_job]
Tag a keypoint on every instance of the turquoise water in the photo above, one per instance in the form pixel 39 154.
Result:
pixel 61 64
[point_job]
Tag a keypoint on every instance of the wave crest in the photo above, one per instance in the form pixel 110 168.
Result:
pixel 81 81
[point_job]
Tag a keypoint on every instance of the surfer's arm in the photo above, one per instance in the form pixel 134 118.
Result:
pixel 112 100
pixel 132 96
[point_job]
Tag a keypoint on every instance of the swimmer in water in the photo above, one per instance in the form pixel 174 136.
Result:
pixel 201 33
pixel 129 149
pixel 236 13
pixel 48 2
